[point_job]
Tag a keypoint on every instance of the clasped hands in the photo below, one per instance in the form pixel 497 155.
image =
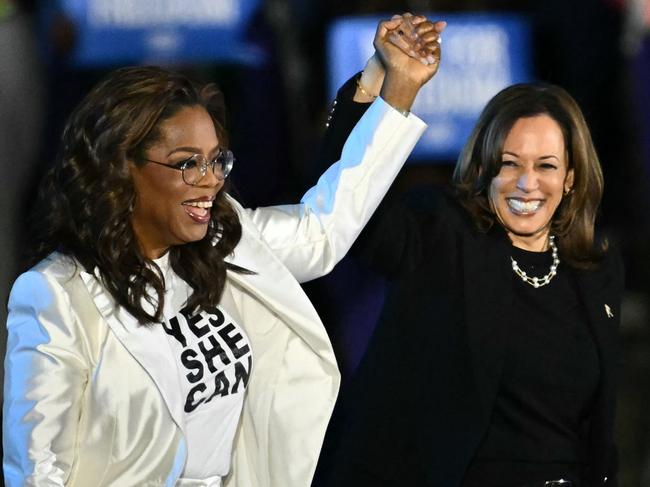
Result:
pixel 407 55
pixel 416 36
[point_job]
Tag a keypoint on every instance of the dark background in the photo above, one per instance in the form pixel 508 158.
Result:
pixel 599 50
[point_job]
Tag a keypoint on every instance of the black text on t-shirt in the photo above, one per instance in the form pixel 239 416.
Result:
pixel 215 347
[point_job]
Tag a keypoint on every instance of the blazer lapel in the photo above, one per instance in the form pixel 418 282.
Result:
pixel 603 309
pixel 600 293
pixel 273 285
pixel 147 344
pixel 601 299
pixel 488 293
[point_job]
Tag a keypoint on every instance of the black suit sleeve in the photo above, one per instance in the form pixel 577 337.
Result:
pixel 392 240
pixel 343 116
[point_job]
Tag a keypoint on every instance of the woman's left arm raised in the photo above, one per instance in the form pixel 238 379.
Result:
pixel 311 237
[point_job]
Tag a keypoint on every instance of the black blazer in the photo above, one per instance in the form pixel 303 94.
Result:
pixel 422 397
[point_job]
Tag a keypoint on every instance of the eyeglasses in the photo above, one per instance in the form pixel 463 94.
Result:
pixel 195 167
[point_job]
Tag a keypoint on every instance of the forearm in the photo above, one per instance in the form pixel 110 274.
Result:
pixel 310 238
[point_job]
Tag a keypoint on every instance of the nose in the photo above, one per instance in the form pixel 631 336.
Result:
pixel 211 179
pixel 527 180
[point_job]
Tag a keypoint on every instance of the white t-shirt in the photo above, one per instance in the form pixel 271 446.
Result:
pixel 214 363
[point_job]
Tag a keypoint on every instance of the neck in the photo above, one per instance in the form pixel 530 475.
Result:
pixel 532 243
pixel 149 248
pixel 152 252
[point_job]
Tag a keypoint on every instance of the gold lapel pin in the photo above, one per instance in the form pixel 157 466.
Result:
pixel 608 311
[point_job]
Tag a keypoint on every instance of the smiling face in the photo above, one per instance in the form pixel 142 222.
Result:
pixel 532 180
pixel 168 211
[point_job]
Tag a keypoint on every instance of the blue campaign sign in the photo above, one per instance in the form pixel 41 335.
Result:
pixel 481 54
pixel 160 31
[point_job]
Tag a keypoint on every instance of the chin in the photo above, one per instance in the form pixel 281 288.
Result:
pixel 527 230
pixel 193 236
pixel 525 226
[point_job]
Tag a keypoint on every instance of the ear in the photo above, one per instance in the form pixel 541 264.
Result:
pixel 568 182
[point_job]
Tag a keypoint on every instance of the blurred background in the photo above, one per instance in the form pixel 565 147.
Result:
pixel 280 62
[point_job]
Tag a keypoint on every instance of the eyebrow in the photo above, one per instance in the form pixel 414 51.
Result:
pixel 550 156
pixel 192 150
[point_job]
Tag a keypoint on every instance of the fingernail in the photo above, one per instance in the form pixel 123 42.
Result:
pixel 424 61
pixel 431 59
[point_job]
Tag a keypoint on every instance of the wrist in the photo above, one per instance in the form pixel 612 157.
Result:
pixel 403 112
pixel 363 95
pixel 370 81
pixel 400 92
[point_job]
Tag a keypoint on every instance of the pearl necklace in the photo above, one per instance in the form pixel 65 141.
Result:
pixel 540 281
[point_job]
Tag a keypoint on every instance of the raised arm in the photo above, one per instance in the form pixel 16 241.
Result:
pixel 311 237
pixel 406 70
pixel 355 96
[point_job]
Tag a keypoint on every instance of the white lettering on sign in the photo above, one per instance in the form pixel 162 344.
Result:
pixel 460 93
pixel 475 46
pixel 481 55
pixel 475 66
pixel 145 13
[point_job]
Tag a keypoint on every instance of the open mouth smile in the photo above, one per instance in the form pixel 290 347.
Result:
pixel 199 209
pixel 524 207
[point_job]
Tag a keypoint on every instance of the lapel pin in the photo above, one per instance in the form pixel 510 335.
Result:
pixel 608 311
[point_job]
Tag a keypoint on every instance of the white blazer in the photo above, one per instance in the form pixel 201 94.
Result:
pixel 84 400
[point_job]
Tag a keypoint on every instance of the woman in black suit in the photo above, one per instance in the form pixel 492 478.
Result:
pixel 495 358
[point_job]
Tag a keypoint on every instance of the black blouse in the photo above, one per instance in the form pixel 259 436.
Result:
pixel 539 424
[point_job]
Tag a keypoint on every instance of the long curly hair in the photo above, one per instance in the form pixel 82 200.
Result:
pixel 87 197
pixel 480 161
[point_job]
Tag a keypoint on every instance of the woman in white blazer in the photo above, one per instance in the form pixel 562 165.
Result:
pixel 158 303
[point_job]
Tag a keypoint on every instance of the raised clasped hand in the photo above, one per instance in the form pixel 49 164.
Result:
pixel 416 37
pixel 409 49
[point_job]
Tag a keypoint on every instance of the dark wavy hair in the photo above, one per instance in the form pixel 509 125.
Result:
pixel 87 197
pixel 480 161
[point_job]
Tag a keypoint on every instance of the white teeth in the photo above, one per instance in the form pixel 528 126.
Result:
pixel 199 204
pixel 524 206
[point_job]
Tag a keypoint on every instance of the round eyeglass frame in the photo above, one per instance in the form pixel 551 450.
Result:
pixel 227 161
